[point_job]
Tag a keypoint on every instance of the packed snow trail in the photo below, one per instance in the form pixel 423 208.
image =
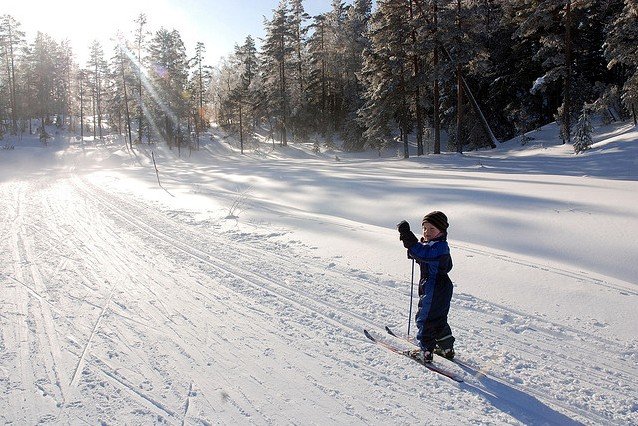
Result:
pixel 115 309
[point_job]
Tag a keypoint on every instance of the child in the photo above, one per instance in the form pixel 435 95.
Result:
pixel 435 287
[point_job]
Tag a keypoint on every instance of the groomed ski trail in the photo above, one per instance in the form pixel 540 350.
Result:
pixel 167 297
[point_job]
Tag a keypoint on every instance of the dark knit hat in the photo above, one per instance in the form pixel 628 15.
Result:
pixel 437 219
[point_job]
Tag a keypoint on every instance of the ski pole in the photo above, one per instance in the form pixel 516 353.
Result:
pixel 411 295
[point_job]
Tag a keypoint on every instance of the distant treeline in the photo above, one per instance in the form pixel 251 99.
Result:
pixel 477 70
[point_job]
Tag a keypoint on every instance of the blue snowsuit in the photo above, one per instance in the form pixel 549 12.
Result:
pixel 435 293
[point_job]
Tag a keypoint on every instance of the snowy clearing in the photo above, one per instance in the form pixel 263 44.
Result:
pixel 238 292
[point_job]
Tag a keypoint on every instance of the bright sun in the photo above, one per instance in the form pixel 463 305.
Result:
pixel 82 22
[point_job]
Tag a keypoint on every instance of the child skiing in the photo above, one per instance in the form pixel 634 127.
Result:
pixel 432 254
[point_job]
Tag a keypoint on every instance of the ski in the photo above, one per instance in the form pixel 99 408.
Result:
pixel 413 343
pixel 429 365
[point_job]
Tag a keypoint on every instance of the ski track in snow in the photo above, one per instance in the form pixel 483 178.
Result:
pixel 112 309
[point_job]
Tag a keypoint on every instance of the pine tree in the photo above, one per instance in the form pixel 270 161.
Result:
pixel 335 41
pixel 317 84
pixel 582 136
pixel 42 79
pixel 519 105
pixel 240 99
pixel 417 78
pixel 569 35
pixel 433 34
pixel 139 95
pixel 169 78
pixel 199 85
pixel 81 85
pixel 356 30
pixel 277 51
pixel 122 79
pixel 462 32
pixel 99 70
pixel 621 49
pixel 298 69
pixel 11 39
pixel 386 73
pixel 64 65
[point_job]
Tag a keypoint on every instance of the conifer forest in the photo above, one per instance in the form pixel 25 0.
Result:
pixel 361 76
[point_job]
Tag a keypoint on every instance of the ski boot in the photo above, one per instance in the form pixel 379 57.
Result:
pixel 420 355
pixel 445 353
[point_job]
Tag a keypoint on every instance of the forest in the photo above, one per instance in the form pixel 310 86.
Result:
pixel 363 75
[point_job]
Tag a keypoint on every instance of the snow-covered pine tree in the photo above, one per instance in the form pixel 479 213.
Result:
pixel 387 73
pixel 240 100
pixel 169 78
pixel 11 39
pixel 199 85
pixel 545 24
pixel 582 136
pixel 316 87
pixel 329 48
pixel 436 92
pixel 122 79
pixel 569 35
pixel 97 65
pixel 514 74
pixel 335 42
pixel 356 23
pixel 299 114
pixel 277 50
pixel 64 80
pixel 621 49
pixel 81 85
pixel 139 46
pixel 39 67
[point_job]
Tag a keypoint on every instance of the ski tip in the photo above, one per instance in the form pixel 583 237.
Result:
pixel 389 331
pixel 456 378
pixel 368 335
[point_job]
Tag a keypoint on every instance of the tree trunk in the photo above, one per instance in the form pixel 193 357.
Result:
pixel 93 107
pixel 282 76
pixel 140 104
pixel 199 125
pixel 323 81
pixel 459 110
pixel 459 90
pixel 439 47
pixel 126 110
pixel 417 92
pixel 14 104
pixel 97 98
pixel 298 52
pixel 437 106
pixel 82 109
pixel 473 103
pixel 406 147
pixel 568 73
pixel 241 130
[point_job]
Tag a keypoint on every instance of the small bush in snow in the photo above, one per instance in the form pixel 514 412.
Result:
pixel 582 137
pixel 240 203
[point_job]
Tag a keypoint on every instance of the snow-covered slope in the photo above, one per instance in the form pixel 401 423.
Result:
pixel 237 292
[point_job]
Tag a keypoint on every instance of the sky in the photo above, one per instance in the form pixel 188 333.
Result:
pixel 219 24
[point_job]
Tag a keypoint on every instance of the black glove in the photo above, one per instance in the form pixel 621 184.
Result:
pixel 403 226
pixel 406 235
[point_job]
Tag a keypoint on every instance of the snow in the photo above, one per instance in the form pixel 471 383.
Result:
pixel 238 292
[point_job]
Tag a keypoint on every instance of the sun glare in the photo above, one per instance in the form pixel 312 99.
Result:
pixel 82 22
